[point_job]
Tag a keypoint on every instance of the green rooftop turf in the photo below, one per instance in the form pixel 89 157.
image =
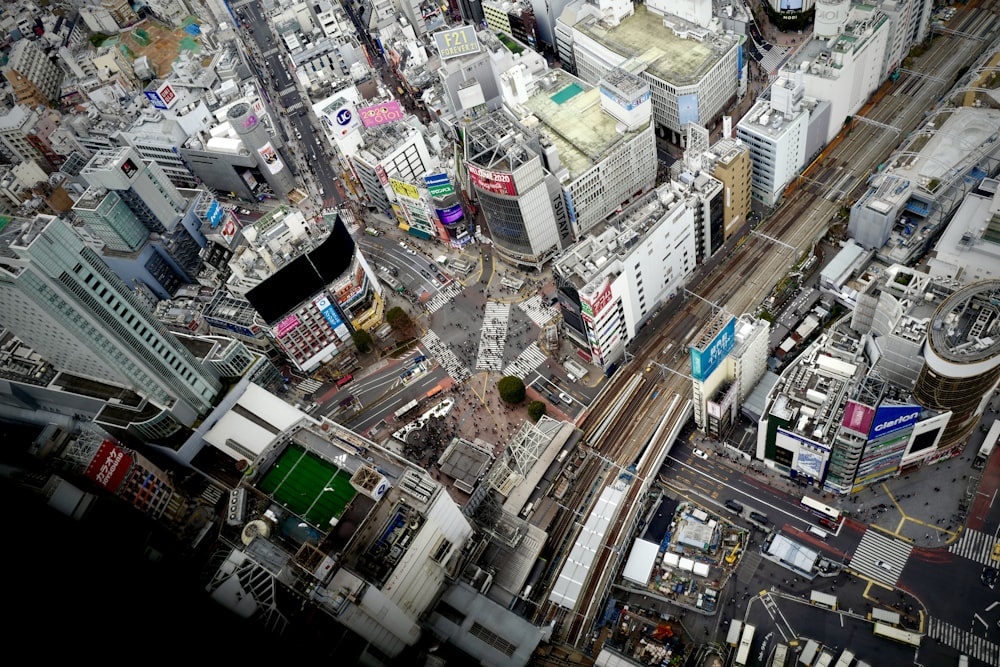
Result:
pixel 308 486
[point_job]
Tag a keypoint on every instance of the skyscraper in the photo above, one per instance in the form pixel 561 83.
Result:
pixel 59 297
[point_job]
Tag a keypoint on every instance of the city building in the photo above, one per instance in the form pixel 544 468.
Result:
pixel 60 298
pixel 729 162
pixel 961 361
pixel 718 393
pixel 613 279
pixel 33 76
pixel 968 249
pixel 516 19
pixel 311 286
pixel 776 131
pixel 692 70
pixel 341 525
pixel 390 151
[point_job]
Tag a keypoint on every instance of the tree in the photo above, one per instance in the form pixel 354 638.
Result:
pixel 511 389
pixel 399 320
pixel 363 341
pixel 536 409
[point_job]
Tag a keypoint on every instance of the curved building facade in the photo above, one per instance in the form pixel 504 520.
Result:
pixel 256 140
pixel 962 359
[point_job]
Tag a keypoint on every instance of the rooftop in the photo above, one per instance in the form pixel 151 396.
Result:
pixel 645 38
pixel 965 327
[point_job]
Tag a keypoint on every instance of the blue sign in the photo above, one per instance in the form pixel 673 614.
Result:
pixel 344 117
pixel 214 214
pixel 329 314
pixel 889 418
pixel 157 101
pixel 704 362
pixel 687 108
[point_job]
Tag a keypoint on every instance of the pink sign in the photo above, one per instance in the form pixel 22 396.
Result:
pixel 380 114
pixel 858 417
pixel 286 325
pixel 496 182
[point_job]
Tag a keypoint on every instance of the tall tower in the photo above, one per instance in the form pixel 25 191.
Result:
pixel 256 140
pixel 962 360
pixel 59 297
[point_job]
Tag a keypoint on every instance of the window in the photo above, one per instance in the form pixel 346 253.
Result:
pixel 442 551
pixel 492 639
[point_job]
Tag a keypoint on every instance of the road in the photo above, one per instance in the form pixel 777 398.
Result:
pixel 736 286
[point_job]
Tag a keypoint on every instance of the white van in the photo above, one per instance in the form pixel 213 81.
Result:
pixel 818 532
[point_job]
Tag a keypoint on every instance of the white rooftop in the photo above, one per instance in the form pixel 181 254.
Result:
pixel 252 423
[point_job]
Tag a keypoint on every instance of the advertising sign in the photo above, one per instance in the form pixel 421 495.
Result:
pixel 214 214
pixel 109 466
pixel 687 108
pixel 492 181
pixel 858 417
pixel 593 306
pixel 457 42
pixel 704 362
pixel 129 168
pixel 380 114
pixel 328 312
pixel 228 230
pixel 439 185
pixel 382 176
pixel 405 189
pixel 270 158
pixel 451 215
pixel 290 323
pixel 891 418
pixel 163 97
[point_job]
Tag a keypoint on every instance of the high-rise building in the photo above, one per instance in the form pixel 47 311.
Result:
pixel 59 297
pixel 255 138
pixel 961 360
pixel 34 77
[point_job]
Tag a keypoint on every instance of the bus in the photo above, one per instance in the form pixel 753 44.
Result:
pixel 735 630
pixel 405 409
pixel 897 634
pixel 743 652
pixel 779 656
pixel 846 659
pixel 985 449
pixel 828 516
pixel 344 380
pixel 434 392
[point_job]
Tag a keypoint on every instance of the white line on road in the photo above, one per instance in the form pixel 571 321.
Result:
pixel 980 619
pixel 992 605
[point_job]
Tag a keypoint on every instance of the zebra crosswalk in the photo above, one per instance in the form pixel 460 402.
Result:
pixel 531 358
pixel 493 338
pixel 444 296
pixel 880 557
pixel 975 546
pixel 309 386
pixel 445 357
pixel 539 313
pixel 966 642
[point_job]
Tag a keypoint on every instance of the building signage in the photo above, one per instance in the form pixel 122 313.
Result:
pixel 405 189
pixel 250 122
pixel 891 418
pixel 214 214
pixel 382 176
pixel 858 417
pixel 109 466
pixel 451 215
pixel 228 230
pixel 593 306
pixel 704 362
pixel 328 312
pixel 457 42
pixel 380 114
pixel 290 323
pixel 129 168
pixel 439 185
pixel 163 97
pixel 270 158
pixel 492 181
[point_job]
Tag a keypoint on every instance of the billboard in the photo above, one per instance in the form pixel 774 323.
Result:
pixel 214 214
pixel 439 185
pixel 592 306
pixel 858 417
pixel 380 114
pixel 163 97
pixel 405 189
pixel 457 42
pixel 270 158
pixel 891 418
pixel 450 215
pixel 290 323
pixel 330 315
pixel 704 362
pixel 492 181
pixel 790 5
pixel 687 108
pixel 228 230
pixel 110 466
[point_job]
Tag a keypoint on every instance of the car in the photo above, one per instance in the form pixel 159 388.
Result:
pixel 440 276
pixel 435 283
pixel 989 577
pixel 425 274
pixel 759 518
pixel 553 399
pixel 566 398
pixel 734 505
pixel 700 454
pixel 885 566
pixel 996 552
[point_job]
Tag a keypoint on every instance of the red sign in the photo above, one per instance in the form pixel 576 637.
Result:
pixel 109 466
pixel 492 181
pixel 596 304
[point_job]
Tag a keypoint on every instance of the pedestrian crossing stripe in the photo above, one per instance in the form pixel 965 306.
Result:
pixel 964 641
pixel 975 546
pixel 531 358
pixel 880 557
